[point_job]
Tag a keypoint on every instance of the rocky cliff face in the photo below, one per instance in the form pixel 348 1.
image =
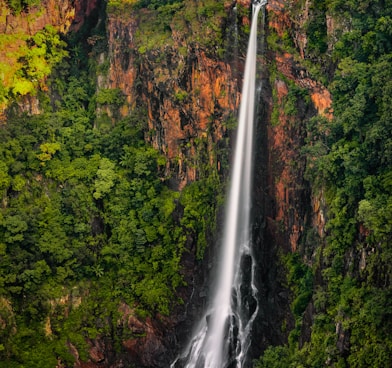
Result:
pixel 65 16
pixel 286 210
pixel 16 28
pixel 34 19
pixel 288 188
pixel 191 96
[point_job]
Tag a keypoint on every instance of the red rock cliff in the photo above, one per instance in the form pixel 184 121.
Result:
pixel 290 195
pixel 188 94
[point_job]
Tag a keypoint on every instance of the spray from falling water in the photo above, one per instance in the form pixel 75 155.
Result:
pixel 222 338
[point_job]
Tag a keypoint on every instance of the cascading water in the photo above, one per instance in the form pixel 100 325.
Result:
pixel 222 338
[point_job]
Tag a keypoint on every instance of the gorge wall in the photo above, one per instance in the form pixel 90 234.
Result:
pixel 172 73
pixel 187 91
pixel 190 94
pixel 189 84
pixel 190 88
pixel 190 97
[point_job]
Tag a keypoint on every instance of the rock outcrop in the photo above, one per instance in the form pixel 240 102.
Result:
pixel 289 191
pixel 188 94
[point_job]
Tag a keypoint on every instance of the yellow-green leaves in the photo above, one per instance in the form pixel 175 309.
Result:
pixel 29 61
pixel 105 178
pixel 47 151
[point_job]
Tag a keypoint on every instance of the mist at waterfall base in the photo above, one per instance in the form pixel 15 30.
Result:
pixel 222 337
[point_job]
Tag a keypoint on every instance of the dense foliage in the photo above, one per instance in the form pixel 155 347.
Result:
pixel 349 160
pixel 87 220
pixel 29 62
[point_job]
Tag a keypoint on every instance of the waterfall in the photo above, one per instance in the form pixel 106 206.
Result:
pixel 222 337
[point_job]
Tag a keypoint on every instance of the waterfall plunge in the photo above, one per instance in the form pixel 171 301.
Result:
pixel 222 338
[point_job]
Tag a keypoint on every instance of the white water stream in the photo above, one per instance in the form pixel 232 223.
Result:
pixel 222 338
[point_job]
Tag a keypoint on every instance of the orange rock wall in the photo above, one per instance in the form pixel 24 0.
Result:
pixel 188 96
pixel 290 193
